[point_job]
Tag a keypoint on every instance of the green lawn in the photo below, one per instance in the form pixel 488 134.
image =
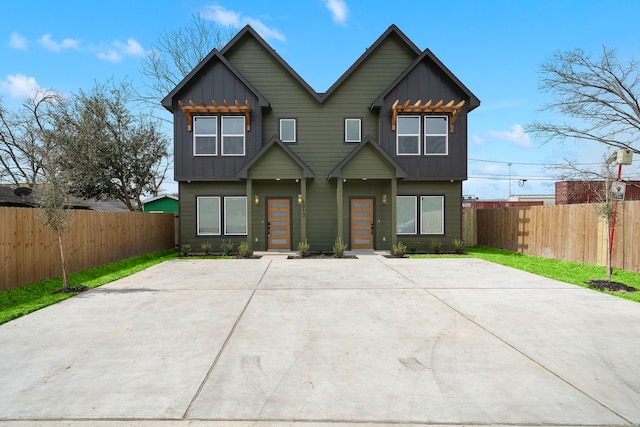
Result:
pixel 26 299
pixel 565 271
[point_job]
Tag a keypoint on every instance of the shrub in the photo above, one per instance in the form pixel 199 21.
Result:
pixel 458 246
pixel 206 247
pixel 412 246
pixel 398 250
pixel 245 250
pixel 185 249
pixel 435 246
pixel 226 247
pixel 303 248
pixel 339 247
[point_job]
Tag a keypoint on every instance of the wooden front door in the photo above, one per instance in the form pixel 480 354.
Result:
pixel 362 223
pixel 279 224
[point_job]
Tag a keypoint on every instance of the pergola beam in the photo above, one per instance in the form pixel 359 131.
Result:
pixel 427 107
pixel 192 108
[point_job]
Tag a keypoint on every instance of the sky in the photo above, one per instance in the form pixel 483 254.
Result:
pixel 495 47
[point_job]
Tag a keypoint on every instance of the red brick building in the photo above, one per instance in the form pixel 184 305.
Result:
pixel 571 192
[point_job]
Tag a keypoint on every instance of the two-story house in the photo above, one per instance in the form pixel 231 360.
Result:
pixel 261 157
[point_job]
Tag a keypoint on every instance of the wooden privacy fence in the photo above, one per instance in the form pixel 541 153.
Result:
pixel 29 249
pixel 566 232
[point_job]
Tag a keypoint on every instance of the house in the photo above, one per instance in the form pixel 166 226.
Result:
pixel 261 157
pixel 8 198
pixel 572 192
pixel 161 203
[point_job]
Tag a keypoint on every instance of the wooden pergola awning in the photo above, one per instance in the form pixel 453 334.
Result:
pixel 428 107
pixel 192 108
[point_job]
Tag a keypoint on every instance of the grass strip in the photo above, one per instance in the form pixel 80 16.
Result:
pixel 566 271
pixel 27 299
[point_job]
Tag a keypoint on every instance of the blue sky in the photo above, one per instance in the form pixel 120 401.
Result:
pixel 494 47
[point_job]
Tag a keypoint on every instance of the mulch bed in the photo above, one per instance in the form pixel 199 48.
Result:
pixel 611 286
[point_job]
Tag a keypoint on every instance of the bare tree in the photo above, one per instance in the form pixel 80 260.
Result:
pixel 597 99
pixel 174 55
pixel 21 138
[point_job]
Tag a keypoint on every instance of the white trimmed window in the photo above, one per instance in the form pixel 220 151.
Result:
pixel 205 136
pixel 407 215
pixel 208 216
pixel 288 130
pixel 436 135
pixel 233 135
pixel 352 130
pixel 408 135
pixel 432 215
pixel 235 216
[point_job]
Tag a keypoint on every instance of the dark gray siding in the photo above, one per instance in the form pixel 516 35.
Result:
pixel 214 82
pixel 427 82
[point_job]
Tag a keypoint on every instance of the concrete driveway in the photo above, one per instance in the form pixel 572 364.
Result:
pixel 325 342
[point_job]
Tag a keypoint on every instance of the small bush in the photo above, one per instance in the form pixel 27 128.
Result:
pixel 398 250
pixel 206 247
pixel 185 249
pixel 339 247
pixel 435 246
pixel 412 246
pixel 303 248
pixel 244 250
pixel 226 247
pixel 458 246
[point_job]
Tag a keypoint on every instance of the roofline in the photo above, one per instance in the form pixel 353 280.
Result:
pixel 367 140
pixel 167 101
pixel 307 172
pixel 161 196
pixel 473 100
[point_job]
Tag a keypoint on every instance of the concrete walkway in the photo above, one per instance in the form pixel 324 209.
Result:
pixel 368 341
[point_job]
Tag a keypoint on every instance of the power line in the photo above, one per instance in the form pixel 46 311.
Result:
pixel 532 164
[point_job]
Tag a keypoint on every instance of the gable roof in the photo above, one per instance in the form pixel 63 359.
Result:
pixel 275 141
pixel 427 54
pixel 368 141
pixel 215 54
pixel 161 196
pixel 392 31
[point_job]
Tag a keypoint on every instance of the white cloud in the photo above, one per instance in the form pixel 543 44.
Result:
pixel 19 86
pixel 338 9
pixel 18 42
pixel 118 50
pixel 222 16
pixel 517 135
pixel 52 45
pixel 477 139
pixel 231 18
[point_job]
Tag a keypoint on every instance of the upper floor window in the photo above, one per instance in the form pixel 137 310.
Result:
pixel 433 130
pixel 205 136
pixel 408 135
pixel 352 130
pixel 436 135
pixel 233 135
pixel 288 130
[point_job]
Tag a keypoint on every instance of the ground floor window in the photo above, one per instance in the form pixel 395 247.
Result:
pixel 430 216
pixel 406 214
pixel 210 213
pixel 235 215
pixel 432 213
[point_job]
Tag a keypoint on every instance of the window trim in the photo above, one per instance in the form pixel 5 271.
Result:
pixel 446 135
pixel 295 129
pixel 415 215
pixel 346 127
pixel 226 222
pixel 244 136
pixel 198 198
pixel 398 135
pixel 442 214
pixel 195 136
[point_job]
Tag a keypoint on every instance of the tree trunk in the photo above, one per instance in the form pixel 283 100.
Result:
pixel 65 282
